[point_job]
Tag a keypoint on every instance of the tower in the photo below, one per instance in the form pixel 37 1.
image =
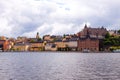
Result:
pixel 37 35
pixel 85 26
pixel 88 34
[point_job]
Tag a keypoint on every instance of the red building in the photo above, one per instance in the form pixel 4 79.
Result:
pixel 90 38
pixel 88 43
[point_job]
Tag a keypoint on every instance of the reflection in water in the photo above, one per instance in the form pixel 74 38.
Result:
pixel 56 66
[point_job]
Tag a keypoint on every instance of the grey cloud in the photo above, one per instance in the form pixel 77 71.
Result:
pixel 31 15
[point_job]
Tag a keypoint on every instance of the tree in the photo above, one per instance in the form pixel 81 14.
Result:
pixel 107 35
pixel 39 39
pixel 64 36
pixel 119 31
pixel 32 40
pixel 107 42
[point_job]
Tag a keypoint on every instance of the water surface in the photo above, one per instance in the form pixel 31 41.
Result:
pixel 59 66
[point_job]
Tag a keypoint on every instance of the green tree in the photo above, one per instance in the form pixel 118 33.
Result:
pixel 64 36
pixel 107 35
pixel 112 42
pixel 39 39
pixel 32 40
pixel 119 31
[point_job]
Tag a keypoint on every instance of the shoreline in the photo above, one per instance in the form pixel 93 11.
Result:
pixel 54 52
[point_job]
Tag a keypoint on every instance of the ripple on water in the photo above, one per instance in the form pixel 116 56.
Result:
pixel 47 66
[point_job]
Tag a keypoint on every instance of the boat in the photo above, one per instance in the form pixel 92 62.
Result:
pixel 116 51
pixel 86 51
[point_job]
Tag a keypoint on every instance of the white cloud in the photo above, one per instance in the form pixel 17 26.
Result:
pixel 27 17
pixel 56 29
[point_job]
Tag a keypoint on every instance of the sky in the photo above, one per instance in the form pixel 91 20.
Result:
pixel 56 17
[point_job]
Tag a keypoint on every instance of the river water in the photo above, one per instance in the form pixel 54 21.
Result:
pixel 59 66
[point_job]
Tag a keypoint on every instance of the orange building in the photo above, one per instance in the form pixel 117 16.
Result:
pixel 4 45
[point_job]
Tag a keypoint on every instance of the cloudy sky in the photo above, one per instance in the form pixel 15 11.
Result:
pixel 27 17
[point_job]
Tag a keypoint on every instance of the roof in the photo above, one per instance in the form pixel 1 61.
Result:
pixel 37 42
pixel 73 39
pixel 93 31
pixel 20 44
pixel 88 37
pixel 58 41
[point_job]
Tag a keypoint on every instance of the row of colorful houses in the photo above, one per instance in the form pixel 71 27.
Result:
pixel 89 39
pixel 76 44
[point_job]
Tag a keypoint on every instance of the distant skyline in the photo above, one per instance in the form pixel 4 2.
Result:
pixel 56 17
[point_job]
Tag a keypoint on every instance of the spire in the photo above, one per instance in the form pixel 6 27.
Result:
pixel 88 34
pixel 85 26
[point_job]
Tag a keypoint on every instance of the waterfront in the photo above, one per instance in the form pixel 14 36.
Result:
pixel 59 66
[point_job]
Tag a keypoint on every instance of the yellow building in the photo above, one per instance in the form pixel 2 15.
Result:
pixel 50 47
pixel 21 47
pixel 60 44
pixel 36 46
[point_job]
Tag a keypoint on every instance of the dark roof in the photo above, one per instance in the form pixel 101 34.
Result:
pixel 49 41
pixel 93 31
pixel 88 37
pixel 37 42
pixel 73 39
pixel 53 36
pixel 21 44
pixel 58 41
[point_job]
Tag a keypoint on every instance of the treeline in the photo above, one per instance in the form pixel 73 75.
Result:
pixel 112 41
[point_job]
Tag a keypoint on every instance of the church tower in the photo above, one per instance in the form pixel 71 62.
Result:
pixel 37 35
pixel 85 26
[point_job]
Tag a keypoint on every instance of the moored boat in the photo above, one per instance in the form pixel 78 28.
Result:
pixel 116 51
pixel 86 51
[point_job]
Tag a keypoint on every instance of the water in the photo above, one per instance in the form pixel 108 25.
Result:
pixel 59 66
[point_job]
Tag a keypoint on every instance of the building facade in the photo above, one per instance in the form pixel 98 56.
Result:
pixel 36 46
pixel 4 45
pixel 21 47
pixel 50 46
pixel 73 44
pixel 87 43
